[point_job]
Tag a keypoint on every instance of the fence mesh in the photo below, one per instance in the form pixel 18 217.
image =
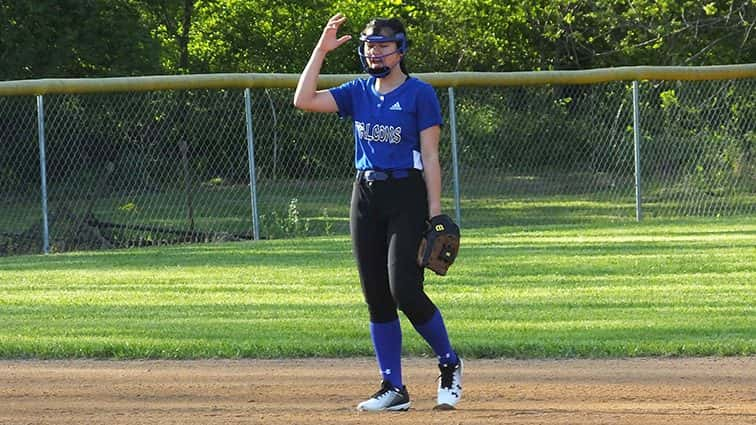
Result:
pixel 134 169
pixel 20 208
pixel 699 141
pixel 545 154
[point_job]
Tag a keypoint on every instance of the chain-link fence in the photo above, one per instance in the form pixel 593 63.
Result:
pixel 142 168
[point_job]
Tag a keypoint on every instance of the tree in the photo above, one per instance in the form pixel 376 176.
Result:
pixel 171 21
pixel 74 38
pixel 257 36
pixel 589 34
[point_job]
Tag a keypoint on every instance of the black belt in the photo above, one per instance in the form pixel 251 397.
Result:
pixel 380 175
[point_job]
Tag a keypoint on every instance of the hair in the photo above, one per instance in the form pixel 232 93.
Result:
pixel 389 27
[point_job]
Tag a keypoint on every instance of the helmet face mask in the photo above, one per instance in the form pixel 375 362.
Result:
pixel 382 71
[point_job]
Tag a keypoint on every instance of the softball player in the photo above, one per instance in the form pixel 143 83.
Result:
pixel 397 121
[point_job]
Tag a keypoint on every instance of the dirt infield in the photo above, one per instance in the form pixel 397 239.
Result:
pixel 325 391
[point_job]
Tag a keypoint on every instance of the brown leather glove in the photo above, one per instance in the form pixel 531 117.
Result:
pixel 440 245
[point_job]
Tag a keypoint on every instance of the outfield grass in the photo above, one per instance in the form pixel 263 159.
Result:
pixel 602 290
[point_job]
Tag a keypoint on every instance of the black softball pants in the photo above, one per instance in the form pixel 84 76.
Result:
pixel 387 220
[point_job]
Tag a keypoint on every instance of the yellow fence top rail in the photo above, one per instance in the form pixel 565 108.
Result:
pixel 438 79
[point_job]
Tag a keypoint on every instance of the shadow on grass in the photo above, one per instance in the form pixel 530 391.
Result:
pixel 677 239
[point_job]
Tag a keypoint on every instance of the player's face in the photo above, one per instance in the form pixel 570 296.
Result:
pixel 382 54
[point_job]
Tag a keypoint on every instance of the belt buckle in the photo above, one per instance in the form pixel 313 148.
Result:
pixel 375 175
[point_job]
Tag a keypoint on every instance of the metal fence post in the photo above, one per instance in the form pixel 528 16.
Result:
pixel 43 173
pixel 455 160
pixel 251 161
pixel 636 141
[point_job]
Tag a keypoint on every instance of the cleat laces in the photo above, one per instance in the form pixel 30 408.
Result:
pixel 447 376
pixel 386 388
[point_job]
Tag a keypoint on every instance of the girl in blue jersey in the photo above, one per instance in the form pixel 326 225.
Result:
pixel 397 125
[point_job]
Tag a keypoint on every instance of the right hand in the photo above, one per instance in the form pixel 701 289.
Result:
pixel 328 40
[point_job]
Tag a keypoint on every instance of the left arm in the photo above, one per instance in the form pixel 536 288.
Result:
pixel 429 140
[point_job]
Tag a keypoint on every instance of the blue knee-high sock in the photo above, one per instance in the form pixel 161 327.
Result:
pixel 434 332
pixel 387 342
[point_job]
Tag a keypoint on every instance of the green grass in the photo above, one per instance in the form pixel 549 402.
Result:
pixel 685 288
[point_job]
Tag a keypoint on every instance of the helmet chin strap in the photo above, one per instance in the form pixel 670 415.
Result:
pixel 379 72
pixel 382 71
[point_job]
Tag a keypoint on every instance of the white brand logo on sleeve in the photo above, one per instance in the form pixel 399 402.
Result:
pixel 396 107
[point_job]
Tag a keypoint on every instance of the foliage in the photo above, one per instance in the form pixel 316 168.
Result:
pixel 47 38
pixel 74 38
pixel 579 34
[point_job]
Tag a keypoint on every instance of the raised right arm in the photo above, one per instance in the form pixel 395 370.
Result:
pixel 307 95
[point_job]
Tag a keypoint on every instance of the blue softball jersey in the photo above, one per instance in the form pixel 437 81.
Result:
pixel 387 126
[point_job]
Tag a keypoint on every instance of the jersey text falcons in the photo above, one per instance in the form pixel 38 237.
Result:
pixel 378 133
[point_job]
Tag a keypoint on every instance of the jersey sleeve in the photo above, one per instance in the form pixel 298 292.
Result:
pixel 343 96
pixel 428 108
